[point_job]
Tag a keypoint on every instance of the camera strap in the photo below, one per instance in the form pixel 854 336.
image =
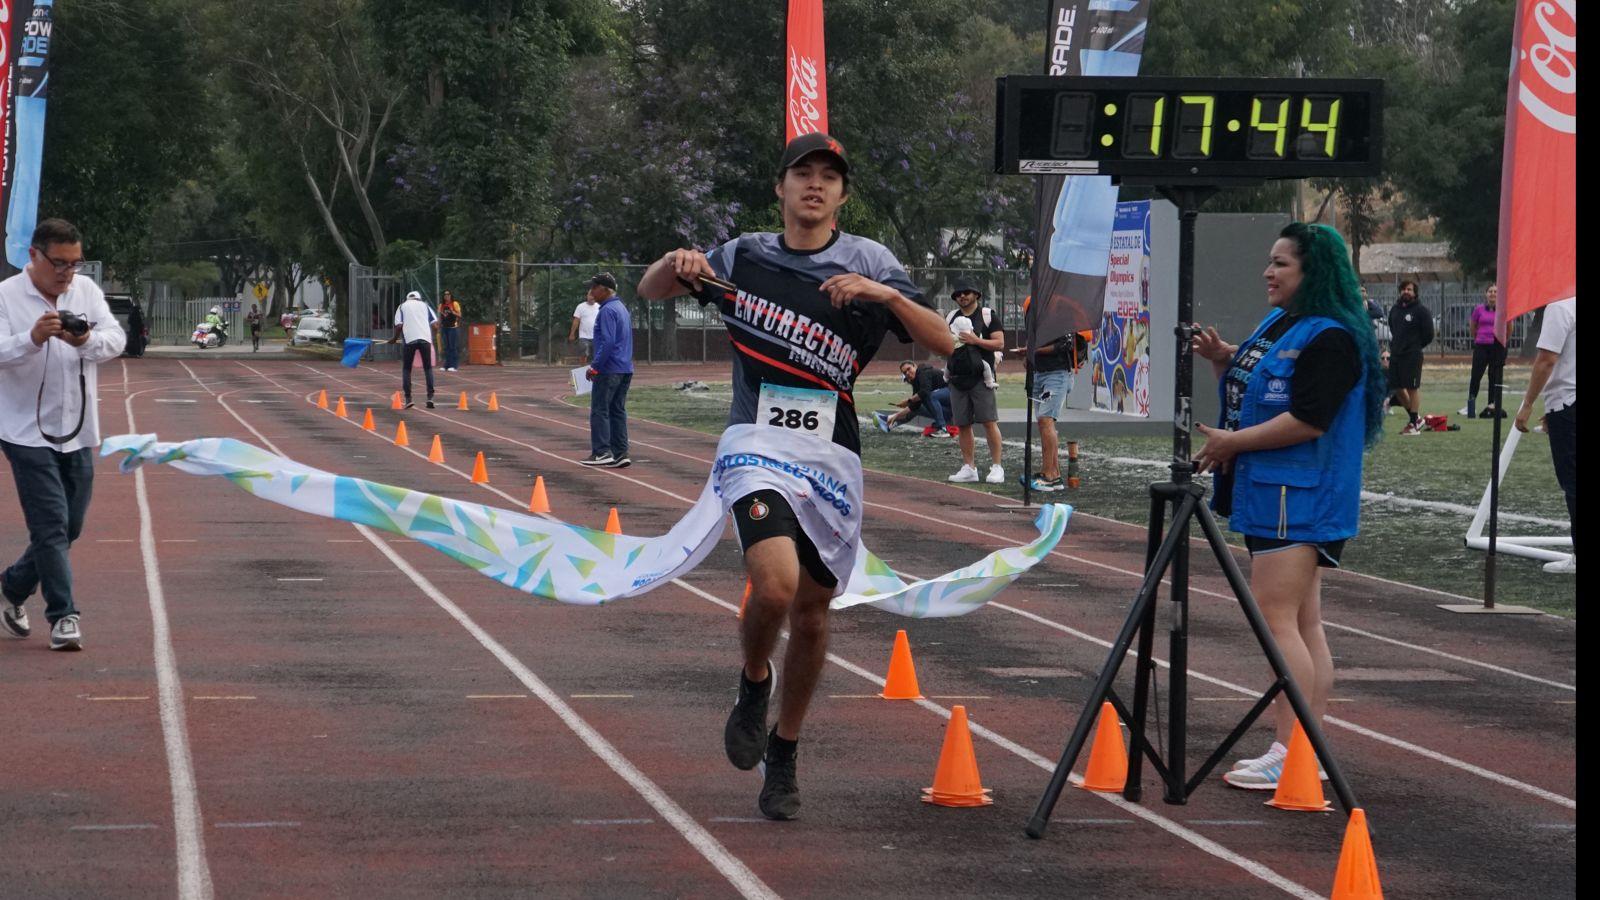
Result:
pixel 38 404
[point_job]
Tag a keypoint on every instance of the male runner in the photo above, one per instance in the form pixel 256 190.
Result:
pixel 811 310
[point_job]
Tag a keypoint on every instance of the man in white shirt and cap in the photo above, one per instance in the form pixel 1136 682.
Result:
pixel 55 329
pixel 414 321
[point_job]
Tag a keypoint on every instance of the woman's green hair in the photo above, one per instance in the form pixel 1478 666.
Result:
pixel 1329 287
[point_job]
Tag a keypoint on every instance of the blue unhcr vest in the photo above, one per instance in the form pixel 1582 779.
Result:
pixel 1310 491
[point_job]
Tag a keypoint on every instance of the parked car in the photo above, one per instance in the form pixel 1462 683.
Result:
pixel 121 307
pixel 312 327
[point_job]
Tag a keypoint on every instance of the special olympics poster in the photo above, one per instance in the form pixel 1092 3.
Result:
pixel 1119 358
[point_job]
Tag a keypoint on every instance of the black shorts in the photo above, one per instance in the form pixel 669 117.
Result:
pixel 1405 371
pixel 1328 552
pixel 764 514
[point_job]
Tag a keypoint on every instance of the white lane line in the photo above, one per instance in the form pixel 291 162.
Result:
pixel 257 825
pixel 745 881
pixel 194 873
pixel 224 697
pixel 299 579
pixel 1076 633
pixel 612 821
pixel 1128 572
pixel 497 696
pixel 1379 736
pixel 115 699
pixel 1169 826
pixel 111 828
pixel 602 696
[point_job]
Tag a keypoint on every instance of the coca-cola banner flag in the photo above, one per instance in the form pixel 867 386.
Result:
pixel 1538 261
pixel 31 79
pixel 806 94
pixel 1075 216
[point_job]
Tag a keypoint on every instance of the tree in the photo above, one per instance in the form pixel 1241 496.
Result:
pixel 130 116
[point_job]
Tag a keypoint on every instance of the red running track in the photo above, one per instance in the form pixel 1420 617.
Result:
pixel 401 726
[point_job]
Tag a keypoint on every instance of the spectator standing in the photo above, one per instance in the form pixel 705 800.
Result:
pixel 1555 378
pixel 414 322
pixel 1053 367
pixel 253 319
pixel 1488 354
pixel 611 370
pixel 583 317
pixel 972 382
pixel 450 331
pixel 136 335
pixel 1410 330
pixel 43 365
pixel 930 396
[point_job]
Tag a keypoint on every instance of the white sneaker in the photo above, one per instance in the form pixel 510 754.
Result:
pixel 1464 413
pixel 66 635
pixel 1568 566
pixel 996 474
pixel 965 475
pixel 1261 773
pixel 883 421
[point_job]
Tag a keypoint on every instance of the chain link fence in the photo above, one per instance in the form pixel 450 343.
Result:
pixel 170 317
pixel 1451 303
pixel 533 305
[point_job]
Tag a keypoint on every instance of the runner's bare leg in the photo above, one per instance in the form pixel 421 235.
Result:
pixel 780 587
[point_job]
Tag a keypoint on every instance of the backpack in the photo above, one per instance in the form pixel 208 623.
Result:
pixel 965 369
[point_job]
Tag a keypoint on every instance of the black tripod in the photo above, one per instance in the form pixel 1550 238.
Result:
pixel 1168 549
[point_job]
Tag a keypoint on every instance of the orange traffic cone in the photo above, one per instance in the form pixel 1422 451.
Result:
pixel 539 503
pixel 956 782
pixel 745 600
pixel 339 410
pixel 1357 875
pixel 322 399
pixel 1299 787
pixel 494 402
pixel 1108 758
pixel 462 403
pixel 902 681
pixel 613 524
pixel 366 422
pixel 397 401
pixel 480 475
pixel 436 453
pixel 401 439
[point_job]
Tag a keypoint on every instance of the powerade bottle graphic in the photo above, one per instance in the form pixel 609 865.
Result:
pixel 32 80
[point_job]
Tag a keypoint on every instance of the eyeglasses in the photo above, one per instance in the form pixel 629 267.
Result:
pixel 60 266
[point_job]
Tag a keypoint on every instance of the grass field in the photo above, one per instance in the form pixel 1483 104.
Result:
pixel 1415 545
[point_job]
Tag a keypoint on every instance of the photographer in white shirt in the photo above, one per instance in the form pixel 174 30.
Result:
pixel 55 329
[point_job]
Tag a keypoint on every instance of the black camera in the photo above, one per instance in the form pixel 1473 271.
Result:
pixel 74 324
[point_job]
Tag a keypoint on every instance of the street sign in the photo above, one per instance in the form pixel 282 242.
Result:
pixel 261 290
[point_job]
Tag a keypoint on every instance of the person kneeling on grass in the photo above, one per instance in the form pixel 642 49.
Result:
pixel 1302 398
pixel 930 397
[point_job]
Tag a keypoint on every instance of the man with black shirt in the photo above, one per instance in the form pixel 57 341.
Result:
pixel 930 397
pixel 973 399
pixel 1410 330
pixel 808 310
pixel 1052 367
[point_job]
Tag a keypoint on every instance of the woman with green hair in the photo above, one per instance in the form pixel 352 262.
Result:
pixel 1302 398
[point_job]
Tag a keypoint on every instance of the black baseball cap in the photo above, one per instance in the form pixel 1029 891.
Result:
pixel 604 279
pixel 815 142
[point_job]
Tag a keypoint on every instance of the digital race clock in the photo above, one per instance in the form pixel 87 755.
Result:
pixel 1170 130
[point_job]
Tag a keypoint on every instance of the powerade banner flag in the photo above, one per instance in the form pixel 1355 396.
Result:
pixel 806 97
pixel 5 99
pixel 32 79
pixel 1075 216
pixel 1538 181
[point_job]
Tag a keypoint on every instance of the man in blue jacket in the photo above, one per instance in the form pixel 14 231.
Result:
pixel 611 370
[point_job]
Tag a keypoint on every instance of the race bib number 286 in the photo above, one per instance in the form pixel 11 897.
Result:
pixel 798 409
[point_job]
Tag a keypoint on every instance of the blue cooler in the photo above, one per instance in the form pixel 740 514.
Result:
pixel 354 349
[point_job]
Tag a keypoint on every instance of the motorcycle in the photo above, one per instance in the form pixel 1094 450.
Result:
pixel 207 336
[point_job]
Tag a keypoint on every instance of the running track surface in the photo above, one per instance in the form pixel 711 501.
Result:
pixel 273 704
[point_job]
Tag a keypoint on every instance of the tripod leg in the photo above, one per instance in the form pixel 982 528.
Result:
pixel 1178 655
pixel 1102 686
pixel 1258 624
pixel 1144 668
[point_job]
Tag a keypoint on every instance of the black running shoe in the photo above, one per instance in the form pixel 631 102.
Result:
pixel 745 737
pixel 780 794
pixel 430 403
pixel 410 405
pixel 619 462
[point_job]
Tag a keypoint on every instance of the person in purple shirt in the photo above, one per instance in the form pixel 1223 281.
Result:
pixel 1488 354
